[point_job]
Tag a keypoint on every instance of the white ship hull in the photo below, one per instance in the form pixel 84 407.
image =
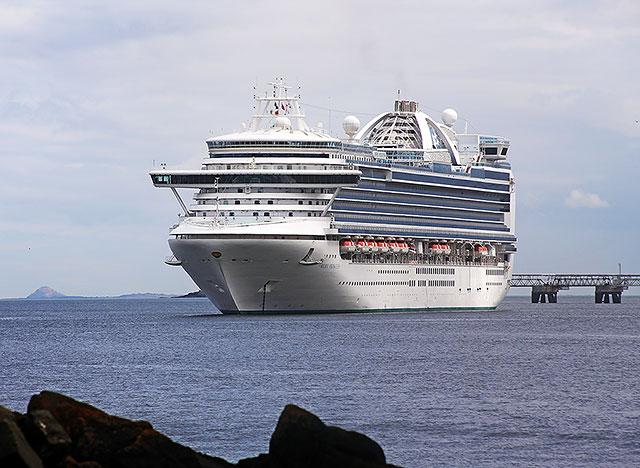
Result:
pixel 266 276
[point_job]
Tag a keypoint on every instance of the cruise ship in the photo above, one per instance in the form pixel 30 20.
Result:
pixel 402 214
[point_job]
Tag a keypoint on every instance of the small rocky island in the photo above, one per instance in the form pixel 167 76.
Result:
pixel 60 432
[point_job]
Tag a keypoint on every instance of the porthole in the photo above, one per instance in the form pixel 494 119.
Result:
pixel 216 254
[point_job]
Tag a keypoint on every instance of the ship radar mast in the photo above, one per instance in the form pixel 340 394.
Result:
pixel 278 106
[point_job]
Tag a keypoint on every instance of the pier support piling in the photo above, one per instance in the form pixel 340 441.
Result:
pixel 544 293
pixel 606 292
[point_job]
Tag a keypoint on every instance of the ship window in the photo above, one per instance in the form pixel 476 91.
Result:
pixel 257 202
pixel 491 150
pixel 308 214
pixel 310 202
pixel 300 202
pixel 504 151
pixel 237 202
pixel 232 214
pixel 290 213
pixel 267 213
pixel 226 202
pixel 270 202
pixel 240 190
pixel 255 213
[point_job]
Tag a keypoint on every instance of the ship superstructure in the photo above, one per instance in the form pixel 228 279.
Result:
pixel 405 214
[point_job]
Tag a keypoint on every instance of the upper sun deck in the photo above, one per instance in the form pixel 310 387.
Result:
pixel 277 120
pixel 404 136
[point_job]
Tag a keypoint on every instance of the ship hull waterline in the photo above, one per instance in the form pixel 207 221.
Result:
pixel 269 276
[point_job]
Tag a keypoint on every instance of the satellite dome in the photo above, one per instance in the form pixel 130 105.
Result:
pixel 449 117
pixel 282 123
pixel 351 125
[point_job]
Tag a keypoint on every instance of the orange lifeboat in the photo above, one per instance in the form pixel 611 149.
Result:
pixel 371 245
pixel 446 249
pixel 403 246
pixel 347 245
pixel 393 246
pixel 361 245
pixel 383 247
pixel 482 250
pixel 366 248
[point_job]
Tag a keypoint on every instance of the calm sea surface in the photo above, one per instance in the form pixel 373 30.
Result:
pixel 526 385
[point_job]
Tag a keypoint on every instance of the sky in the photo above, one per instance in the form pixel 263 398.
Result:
pixel 92 94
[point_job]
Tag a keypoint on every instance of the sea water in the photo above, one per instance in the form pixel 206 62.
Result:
pixel 525 385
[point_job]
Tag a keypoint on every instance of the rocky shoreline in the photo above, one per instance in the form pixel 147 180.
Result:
pixel 60 432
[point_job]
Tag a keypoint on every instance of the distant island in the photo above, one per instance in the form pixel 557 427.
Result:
pixel 192 294
pixel 45 292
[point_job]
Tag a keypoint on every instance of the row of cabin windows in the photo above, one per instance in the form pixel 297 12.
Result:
pixel 247 179
pixel 259 190
pixel 269 202
pixel 301 144
pixel 221 167
pixel 266 214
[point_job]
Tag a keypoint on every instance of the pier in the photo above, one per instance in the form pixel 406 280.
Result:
pixel 545 287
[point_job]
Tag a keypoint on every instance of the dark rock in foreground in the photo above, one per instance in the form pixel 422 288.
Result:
pixel 302 439
pixel 60 432
pixel 15 451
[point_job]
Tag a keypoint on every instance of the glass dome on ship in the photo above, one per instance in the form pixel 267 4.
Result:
pixel 402 214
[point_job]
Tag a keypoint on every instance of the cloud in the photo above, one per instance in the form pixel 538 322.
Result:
pixel 579 199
